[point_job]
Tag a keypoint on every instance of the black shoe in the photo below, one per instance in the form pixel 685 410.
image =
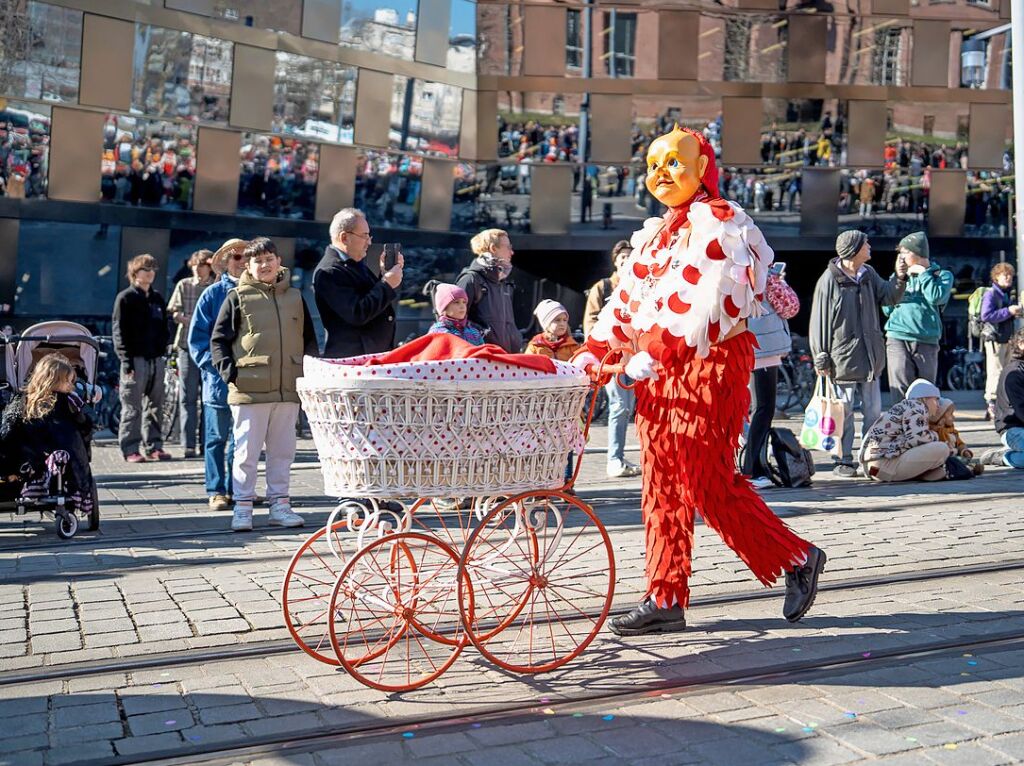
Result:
pixel 802 585
pixel 648 618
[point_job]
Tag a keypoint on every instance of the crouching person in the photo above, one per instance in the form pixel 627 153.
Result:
pixel 901 446
pixel 258 341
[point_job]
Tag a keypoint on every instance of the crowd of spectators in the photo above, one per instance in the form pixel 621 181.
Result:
pixel 278 177
pixel 388 187
pixel 147 170
pixel 24 146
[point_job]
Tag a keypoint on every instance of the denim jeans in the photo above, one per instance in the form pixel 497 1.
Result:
pixel 219 448
pixel 620 412
pixel 188 399
pixel 1013 440
pixel 870 408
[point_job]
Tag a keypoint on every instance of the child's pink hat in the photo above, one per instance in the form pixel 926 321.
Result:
pixel 547 310
pixel 445 293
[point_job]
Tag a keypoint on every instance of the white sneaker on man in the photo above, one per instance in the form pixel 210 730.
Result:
pixel 241 521
pixel 762 482
pixel 282 515
pixel 620 469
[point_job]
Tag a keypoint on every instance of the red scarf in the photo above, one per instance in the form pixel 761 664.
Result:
pixel 541 340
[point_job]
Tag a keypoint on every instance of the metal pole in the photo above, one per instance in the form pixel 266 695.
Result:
pixel 1017 62
pixel 584 142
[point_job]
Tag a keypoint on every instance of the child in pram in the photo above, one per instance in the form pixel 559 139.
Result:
pixel 46 431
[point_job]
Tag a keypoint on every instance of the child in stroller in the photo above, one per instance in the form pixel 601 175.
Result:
pixel 45 439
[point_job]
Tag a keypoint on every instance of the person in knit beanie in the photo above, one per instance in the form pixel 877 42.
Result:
pixel 554 341
pixel 451 305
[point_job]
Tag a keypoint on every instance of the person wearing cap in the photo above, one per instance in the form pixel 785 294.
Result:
pixel 451 305
pixel 356 306
pixel 218 443
pixel 182 304
pixel 900 445
pixel 846 338
pixel 621 401
pixel 914 326
pixel 554 340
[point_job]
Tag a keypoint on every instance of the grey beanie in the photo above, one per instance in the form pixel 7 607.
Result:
pixel 849 243
pixel 921 388
pixel 917 243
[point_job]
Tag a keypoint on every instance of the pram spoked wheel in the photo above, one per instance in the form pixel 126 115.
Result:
pixel 394 613
pixel 541 576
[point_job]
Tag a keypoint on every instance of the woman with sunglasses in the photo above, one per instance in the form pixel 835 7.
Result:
pixel 218 444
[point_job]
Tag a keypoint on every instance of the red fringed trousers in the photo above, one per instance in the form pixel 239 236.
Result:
pixel 689 422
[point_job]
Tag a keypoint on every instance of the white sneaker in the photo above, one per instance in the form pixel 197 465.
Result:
pixel 762 482
pixel 619 469
pixel 241 521
pixel 282 515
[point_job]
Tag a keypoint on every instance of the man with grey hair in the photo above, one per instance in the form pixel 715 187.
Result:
pixel 846 333
pixel 355 304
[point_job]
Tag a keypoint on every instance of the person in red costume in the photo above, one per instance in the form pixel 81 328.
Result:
pixel 678 320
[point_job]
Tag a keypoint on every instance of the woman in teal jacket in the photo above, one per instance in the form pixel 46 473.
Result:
pixel 915 323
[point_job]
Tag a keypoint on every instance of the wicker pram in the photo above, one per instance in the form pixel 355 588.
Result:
pixel 465 530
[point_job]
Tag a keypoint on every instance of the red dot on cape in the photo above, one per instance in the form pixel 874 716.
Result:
pixel 621 316
pixel 714 251
pixel 691 274
pixel 640 270
pixel 623 296
pixel 722 210
pixel 730 307
pixel 677 304
pixel 618 333
pixel 713 331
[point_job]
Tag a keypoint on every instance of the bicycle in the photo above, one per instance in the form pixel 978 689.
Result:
pixel 796 380
pixel 967 372
pixel 172 394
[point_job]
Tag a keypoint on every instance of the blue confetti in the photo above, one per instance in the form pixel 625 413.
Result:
pixel 972 662
pixel 408 734
pixel 851 715
pixel 807 730
pixel 608 717
pixel 475 725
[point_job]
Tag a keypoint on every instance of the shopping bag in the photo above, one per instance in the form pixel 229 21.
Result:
pixel 823 419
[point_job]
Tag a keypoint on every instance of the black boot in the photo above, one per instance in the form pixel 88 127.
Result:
pixel 802 585
pixel 649 618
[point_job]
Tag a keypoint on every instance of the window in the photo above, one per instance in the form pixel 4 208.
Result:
pixel 277 176
pixel 425 116
pixel 573 38
pixel 620 43
pixel 24 149
pixel 928 127
pixel 181 75
pixel 146 162
pixel 41 51
pixel 887 57
pixel 314 98
pixel 388 28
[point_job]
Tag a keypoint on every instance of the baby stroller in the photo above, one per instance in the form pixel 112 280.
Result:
pixel 48 493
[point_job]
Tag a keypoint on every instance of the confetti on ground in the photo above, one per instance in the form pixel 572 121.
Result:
pixel 807 730
pixel 545 700
pixel 851 715
pixel 911 739
pixel 608 717
pixel 666 696
pixel 968 654
pixel 813 725
pixel 796 648
pixel 475 725
pixel 950 746
pixel 866 654
pixel 972 662
pixel 577 715
pixel 408 734
pixel 169 723
pixel 195 738
pixel 965 674
pixel 548 711
pixel 164 675
pixel 961 712
pixel 780 728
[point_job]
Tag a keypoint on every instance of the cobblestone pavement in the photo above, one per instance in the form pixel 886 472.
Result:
pixel 164 576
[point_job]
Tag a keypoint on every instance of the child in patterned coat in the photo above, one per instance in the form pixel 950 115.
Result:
pixel 451 305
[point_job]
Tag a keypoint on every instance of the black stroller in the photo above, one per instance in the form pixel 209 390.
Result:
pixel 49 493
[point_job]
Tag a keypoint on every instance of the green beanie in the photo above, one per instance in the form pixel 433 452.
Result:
pixel 917 243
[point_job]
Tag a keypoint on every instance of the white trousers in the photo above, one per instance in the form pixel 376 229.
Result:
pixel 259 427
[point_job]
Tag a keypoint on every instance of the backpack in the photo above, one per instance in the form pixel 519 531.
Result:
pixel 789 464
pixel 975 327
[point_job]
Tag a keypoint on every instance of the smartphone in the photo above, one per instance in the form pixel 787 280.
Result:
pixel 778 268
pixel 390 257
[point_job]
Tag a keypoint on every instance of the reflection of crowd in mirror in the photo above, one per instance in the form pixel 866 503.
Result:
pixel 23 154
pixel 388 187
pixel 529 142
pixel 279 177
pixel 140 168
pixel 166 84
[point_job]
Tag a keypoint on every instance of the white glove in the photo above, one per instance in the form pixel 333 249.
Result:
pixel 586 361
pixel 641 367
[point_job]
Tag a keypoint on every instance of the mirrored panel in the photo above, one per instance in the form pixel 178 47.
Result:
pixel 147 162
pixel 425 117
pixel 389 29
pixel 278 15
pixel 388 187
pixel 24 149
pixel 889 203
pixel 539 127
pixel 314 98
pixel 772 196
pixel 41 52
pixel 798 132
pixel 748 47
pixel 619 35
pixel 919 134
pixel 498 34
pixel 77 254
pixel 985 59
pixel 491 196
pixel 989 203
pixel 462 41
pixel 277 176
pixel 180 75
pixel 868 51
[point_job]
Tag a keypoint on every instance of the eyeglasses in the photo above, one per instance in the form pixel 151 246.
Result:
pixel 238 256
pixel 368 237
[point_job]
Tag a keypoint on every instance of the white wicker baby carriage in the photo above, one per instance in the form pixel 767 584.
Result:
pixel 459 524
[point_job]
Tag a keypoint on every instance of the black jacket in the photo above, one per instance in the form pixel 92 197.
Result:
pixel 65 427
pixel 140 325
pixel 1010 397
pixel 490 305
pixel 355 306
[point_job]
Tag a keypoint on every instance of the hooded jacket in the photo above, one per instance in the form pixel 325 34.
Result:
pixel 916 317
pixel 490 305
pixel 845 329
pixel 215 390
pixel 259 339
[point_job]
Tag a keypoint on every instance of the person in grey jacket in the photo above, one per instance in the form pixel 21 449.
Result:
pixel 846 333
pixel 486 283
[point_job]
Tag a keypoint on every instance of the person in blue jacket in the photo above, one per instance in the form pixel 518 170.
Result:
pixel 914 328
pixel 218 443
